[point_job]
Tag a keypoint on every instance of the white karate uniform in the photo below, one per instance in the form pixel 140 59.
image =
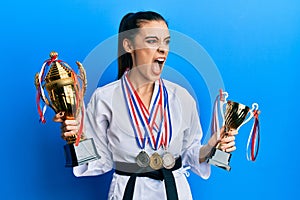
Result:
pixel 107 122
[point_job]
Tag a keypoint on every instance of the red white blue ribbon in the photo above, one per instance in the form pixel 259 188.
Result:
pixel 156 121
pixel 254 138
pixel 167 119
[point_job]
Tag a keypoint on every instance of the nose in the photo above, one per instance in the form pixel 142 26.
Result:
pixel 162 48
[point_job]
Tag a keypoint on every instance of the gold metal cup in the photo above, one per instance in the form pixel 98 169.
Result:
pixel 65 95
pixel 235 115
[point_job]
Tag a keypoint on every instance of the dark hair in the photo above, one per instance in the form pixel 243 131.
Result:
pixel 128 29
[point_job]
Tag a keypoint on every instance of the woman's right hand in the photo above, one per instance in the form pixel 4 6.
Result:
pixel 69 127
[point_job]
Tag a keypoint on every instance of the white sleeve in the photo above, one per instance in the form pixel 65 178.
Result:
pixel 95 126
pixel 192 145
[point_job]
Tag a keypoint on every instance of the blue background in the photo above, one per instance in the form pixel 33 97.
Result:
pixel 255 45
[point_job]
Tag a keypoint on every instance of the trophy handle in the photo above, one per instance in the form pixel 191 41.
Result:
pixel 82 77
pixel 254 107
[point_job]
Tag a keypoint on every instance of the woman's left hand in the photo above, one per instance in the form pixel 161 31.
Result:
pixel 227 142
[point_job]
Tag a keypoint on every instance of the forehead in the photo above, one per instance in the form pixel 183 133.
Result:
pixel 154 28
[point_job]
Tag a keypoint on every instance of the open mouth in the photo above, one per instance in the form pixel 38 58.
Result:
pixel 160 61
pixel 158 65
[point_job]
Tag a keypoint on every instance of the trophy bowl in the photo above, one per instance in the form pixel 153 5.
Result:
pixel 235 115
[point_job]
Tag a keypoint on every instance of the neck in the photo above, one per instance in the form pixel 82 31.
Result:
pixel 143 88
pixel 146 89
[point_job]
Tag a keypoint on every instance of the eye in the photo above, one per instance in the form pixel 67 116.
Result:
pixel 152 41
pixel 167 42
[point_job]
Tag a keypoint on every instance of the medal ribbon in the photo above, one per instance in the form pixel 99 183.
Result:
pixel 148 119
pixel 167 119
pixel 141 114
pixel 254 138
pixel 141 111
pixel 140 138
pixel 155 108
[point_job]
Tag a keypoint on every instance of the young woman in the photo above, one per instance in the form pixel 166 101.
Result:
pixel 145 128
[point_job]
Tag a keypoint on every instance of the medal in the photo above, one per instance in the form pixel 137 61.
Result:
pixel 142 159
pixel 168 160
pixel 156 161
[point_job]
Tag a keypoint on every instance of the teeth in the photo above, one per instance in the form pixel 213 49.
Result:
pixel 160 59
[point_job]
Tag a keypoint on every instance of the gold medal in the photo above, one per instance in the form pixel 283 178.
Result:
pixel 168 160
pixel 156 161
pixel 142 159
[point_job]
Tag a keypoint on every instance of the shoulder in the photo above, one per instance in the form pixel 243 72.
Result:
pixel 106 92
pixel 178 91
pixel 107 89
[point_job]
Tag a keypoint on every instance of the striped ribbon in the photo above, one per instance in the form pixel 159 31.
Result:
pixel 254 138
pixel 140 115
pixel 167 119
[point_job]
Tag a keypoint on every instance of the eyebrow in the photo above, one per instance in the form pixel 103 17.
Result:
pixel 155 37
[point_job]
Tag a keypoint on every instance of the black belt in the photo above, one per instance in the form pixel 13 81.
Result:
pixel 133 170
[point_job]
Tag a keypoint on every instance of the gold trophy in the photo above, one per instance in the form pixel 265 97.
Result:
pixel 234 118
pixel 64 94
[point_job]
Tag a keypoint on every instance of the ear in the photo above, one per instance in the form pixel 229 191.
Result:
pixel 127 45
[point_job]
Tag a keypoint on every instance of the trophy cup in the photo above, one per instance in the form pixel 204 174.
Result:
pixel 64 94
pixel 234 118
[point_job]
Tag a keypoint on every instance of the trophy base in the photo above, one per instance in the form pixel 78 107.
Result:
pixel 220 159
pixel 81 154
